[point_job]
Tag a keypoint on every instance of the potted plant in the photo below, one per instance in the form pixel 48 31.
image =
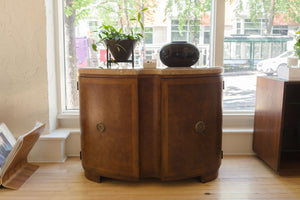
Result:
pixel 120 44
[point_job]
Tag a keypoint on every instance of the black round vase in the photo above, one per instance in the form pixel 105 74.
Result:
pixel 179 54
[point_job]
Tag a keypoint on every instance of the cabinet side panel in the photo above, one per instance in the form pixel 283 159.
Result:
pixel 268 120
pixel 113 102
pixel 185 102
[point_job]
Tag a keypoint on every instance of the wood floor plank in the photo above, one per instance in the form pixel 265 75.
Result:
pixel 240 178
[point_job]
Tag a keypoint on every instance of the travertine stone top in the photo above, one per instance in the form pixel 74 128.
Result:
pixel 159 71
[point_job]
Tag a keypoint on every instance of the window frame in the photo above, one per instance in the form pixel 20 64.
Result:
pixel 70 118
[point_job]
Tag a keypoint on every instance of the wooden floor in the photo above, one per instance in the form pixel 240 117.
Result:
pixel 240 177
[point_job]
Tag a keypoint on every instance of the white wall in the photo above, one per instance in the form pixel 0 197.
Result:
pixel 23 75
pixel 23 64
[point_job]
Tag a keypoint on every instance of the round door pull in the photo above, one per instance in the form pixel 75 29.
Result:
pixel 200 127
pixel 100 127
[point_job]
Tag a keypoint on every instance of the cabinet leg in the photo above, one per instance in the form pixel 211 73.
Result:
pixel 207 177
pixel 93 176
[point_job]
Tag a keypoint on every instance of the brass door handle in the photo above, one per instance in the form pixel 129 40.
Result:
pixel 100 127
pixel 200 127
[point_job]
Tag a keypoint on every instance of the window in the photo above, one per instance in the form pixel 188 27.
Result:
pixel 189 32
pixel 254 46
pixel 249 42
pixel 93 27
pixel 280 30
pixel 253 27
pixel 238 28
pixel 206 38
pixel 81 20
pixel 148 35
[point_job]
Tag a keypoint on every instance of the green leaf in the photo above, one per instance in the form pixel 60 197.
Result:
pixel 119 47
pixel 142 26
pixel 94 46
pixel 139 36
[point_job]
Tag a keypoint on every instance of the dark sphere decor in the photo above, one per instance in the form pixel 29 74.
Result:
pixel 179 54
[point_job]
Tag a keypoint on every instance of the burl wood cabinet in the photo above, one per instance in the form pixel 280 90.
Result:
pixel 160 123
pixel 277 124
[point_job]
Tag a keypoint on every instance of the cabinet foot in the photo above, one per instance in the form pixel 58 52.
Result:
pixel 93 176
pixel 207 177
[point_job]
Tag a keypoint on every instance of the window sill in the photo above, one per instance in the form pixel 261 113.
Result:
pixel 69 119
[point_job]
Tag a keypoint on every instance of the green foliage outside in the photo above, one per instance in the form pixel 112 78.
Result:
pixel 268 9
pixel 297 45
pixel 116 13
pixel 190 15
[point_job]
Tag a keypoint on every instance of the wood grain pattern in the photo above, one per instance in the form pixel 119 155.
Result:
pixel 277 124
pixel 268 119
pixel 240 178
pixel 150 120
pixel 114 103
pixel 149 126
pixel 185 153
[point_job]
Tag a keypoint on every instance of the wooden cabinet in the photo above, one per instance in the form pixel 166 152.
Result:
pixel 151 123
pixel 277 124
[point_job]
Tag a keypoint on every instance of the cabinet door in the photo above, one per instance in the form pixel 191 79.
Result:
pixel 110 103
pixel 187 102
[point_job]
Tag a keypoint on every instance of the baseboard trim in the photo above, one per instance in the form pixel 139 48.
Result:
pixel 237 142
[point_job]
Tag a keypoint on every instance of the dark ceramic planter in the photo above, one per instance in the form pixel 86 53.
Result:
pixel 121 50
pixel 179 54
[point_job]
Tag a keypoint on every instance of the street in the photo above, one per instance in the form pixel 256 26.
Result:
pixel 239 92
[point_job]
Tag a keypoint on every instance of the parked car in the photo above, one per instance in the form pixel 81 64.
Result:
pixel 271 65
